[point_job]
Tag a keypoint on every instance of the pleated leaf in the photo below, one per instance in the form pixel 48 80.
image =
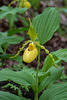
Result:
pixel 10 11
pixel 54 76
pixel 41 75
pixel 61 54
pixel 11 40
pixel 12 32
pixel 19 77
pixel 48 63
pixel 6 56
pixel 46 24
pixel 9 96
pixel 56 92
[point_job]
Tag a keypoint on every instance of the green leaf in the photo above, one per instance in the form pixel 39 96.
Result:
pixel 35 3
pixel 63 76
pixel 3 34
pixel 5 56
pixel 54 76
pixel 11 39
pixel 32 71
pixel 46 24
pixel 11 18
pixel 8 96
pixel 15 30
pixel 18 59
pixel 42 76
pixel 10 11
pixel 19 77
pixel 56 92
pixel 61 54
pixel 5 8
pixel 48 63
pixel 31 32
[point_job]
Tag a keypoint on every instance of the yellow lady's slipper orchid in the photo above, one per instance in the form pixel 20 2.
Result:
pixel 26 4
pixel 30 53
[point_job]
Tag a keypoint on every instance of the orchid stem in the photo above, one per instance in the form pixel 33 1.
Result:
pixel 36 95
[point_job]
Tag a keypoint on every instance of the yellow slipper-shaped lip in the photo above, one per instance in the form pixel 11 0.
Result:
pixel 30 55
